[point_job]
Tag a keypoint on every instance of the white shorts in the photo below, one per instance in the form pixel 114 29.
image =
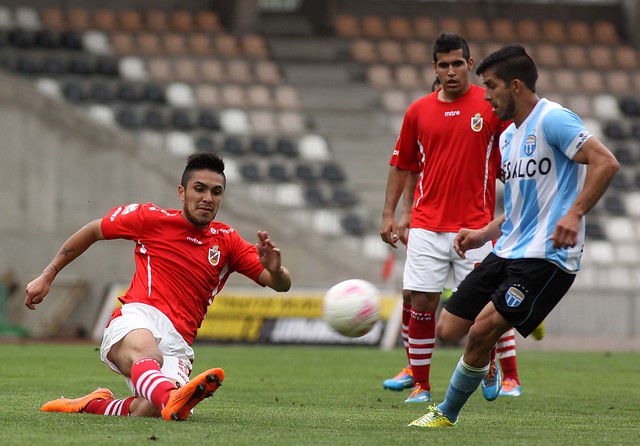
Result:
pixel 177 354
pixel 431 257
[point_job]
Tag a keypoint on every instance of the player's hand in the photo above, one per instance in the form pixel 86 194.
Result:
pixel 389 231
pixel 36 291
pixel 269 254
pixel 565 235
pixel 403 229
pixel 467 239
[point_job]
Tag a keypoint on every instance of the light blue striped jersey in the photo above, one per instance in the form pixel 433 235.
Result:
pixel 541 183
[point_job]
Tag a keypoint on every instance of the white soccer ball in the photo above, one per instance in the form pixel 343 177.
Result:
pixel 352 307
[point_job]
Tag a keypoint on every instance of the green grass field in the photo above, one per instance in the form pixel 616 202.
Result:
pixel 325 396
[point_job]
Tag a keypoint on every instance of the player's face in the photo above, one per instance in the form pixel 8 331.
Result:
pixel 453 71
pixel 500 95
pixel 202 197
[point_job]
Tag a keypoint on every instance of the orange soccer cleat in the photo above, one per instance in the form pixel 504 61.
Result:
pixel 75 405
pixel 185 398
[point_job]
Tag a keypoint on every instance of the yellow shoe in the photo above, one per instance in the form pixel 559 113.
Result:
pixel 185 398
pixel 538 333
pixel 76 405
pixel 433 418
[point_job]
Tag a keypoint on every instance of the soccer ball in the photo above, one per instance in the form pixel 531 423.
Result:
pixel 352 307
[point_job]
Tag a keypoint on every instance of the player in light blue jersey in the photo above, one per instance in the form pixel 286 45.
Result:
pixel 555 171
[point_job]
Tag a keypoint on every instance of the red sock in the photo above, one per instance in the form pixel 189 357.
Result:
pixel 506 353
pixel 406 317
pixel 422 334
pixel 110 407
pixel 150 383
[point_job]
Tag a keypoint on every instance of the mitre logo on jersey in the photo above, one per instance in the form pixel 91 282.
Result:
pixel 530 145
pixel 476 122
pixel 214 255
pixel 514 297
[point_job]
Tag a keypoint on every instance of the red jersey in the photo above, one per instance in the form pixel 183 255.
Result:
pixel 454 147
pixel 179 268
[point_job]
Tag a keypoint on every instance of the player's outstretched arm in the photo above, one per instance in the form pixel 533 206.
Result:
pixel 78 243
pixel 274 275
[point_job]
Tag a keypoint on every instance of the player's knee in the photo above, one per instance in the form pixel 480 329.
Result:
pixel 424 302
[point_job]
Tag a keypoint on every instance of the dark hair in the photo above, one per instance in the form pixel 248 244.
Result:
pixel 511 62
pixel 202 161
pixel 447 42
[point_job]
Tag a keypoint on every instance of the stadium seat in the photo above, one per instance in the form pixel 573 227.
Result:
pixel 182 20
pixel 287 97
pixel 174 43
pixel 315 196
pixel 354 225
pixel 49 87
pixel 594 231
pixel 208 21
pixel 618 82
pixel 548 55
pixel 620 228
pixel 154 93
pixel 614 130
pixel 182 119
pixel 635 130
pixel 6 19
pixel 333 173
pixel 100 91
pixel 267 72
pixel 107 66
pixel 130 20
pixel 263 122
pixel 575 56
pixel 239 71
pixel 199 44
pixel 261 147
pixel 47 39
pixel 234 146
pixel 400 28
pixel 209 120
pixel 605 107
pixel 254 46
pixel 391 52
pixel 71 40
pixel 250 171
pixel 286 147
pixel 259 96
pixel 605 32
pixel 425 28
pixel 620 181
pixel 79 19
pixel 154 119
pixel 75 92
pixel 306 172
pixel 528 31
pixel 452 24
pixel 278 171
pixel 187 70
pixel 632 202
pixel 289 195
pixel 101 114
pixel 614 205
pixel 81 66
pixel 127 117
pixel 380 76
pixel 160 69
pixel 180 95
pixel 566 80
pixel 347 26
pixel 180 144
pixel 96 42
pixel 207 95
pixel 123 43
pixel 579 31
pixel 234 121
pixel 212 70
pixel 27 18
pixel 226 45
pixel 128 92
pixel 105 20
pixel 53 18
pixel 553 31
pixel 156 20
pixel 418 53
pixel 233 95
pixel 206 143
pixel 344 197
pixel 630 106
pixel 364 51
pixel 408 77
pixel 579 104
pixel 394 101
pixel 601 57
pixel 133 68
pixel 626 156
pixel 477 29
pixel 21 39
pixel 503 30
pixel 373 26
pixel 626 57
pixel 149 43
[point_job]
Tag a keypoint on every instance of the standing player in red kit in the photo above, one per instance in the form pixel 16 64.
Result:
pixel 449 138
pixel 183 259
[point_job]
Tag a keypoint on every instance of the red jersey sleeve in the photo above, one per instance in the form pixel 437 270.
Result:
pixel 126 222
pixel 405 153
pixel 245 259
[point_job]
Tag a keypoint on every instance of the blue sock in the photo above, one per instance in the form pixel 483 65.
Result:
pixel 464 381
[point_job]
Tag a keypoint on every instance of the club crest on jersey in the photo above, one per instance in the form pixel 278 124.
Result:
pixel 530 145
pixel 476 122
pixel 214 255
pixel 514 297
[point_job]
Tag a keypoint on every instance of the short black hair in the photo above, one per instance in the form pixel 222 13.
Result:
pixel 447 42
pixel 202 161
pixel 511 62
